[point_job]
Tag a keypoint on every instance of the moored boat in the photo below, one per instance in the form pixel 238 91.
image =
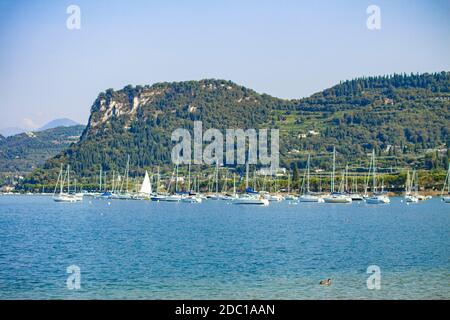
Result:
pixel 310 198
pixel 65 196
pixel 251 200
pixel 337 198
pixel 376 197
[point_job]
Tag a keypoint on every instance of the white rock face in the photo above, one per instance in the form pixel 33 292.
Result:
pixel 114 108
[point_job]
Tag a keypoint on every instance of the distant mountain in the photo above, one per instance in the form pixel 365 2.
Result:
pixel 404 118
pixel 10 131
pixel 24 152
pixel 63 122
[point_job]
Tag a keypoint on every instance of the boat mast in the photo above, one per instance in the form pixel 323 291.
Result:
pixel 127 173
pixel 224 187
pixel 189 178
pixel 217 176
pixel 334 168
pixel 68 179
pixel 289 182
pixel 246 175
pixel 374 179
pixel 157 180
pixel 307 173
pixel 176 180
pixel 346 177
pixel 100 178
pixel 113 188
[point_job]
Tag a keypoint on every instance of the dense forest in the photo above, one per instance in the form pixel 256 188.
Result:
pixel 405 118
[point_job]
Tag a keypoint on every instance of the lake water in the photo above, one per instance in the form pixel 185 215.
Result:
pixel 216 250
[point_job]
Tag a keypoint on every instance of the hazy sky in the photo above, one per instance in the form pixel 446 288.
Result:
pixel 288 49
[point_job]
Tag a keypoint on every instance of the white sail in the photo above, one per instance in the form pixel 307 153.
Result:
pixel 146 187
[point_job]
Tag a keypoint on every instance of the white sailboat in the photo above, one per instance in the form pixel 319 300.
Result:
pixel 306 195
pixel 409 196
pixel 174 197
pixel 377 197
pixel 158 196
pixel 335 197
pixel 216 195
pixel 273 197
pixel 124 193
pixel 191 197
pixel 145 191
pixel 354 194
pixel 64 196
pixel 251 197
pixel 290 196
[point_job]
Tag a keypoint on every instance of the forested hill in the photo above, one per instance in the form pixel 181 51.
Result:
pixel 24 152
pixel 404 117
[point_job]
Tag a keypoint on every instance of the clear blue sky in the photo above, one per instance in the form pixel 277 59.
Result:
pixel 288 49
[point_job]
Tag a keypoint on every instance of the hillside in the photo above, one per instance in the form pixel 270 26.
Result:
pixel 404 117
pixel 24 152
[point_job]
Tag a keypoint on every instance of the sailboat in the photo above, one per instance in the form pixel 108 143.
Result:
pixel 409 196
pixel 272 197
pixel 191 197
pixel 98 192
pixel 336 197
pixel 446 198
pixel 64 196
pixel 354 194
pixel 377 197
pixel 124 195
pixel 306 195
pixel 251 197
pixel 158 196
pixel 215 196
pixel 145 190
pixel 174 197
pixel 290 196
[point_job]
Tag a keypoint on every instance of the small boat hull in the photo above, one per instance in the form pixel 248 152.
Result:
pixel 411 199
pixel 192 199
pixel 309 198
pixel 69 198
pixel 251 201
pixel 378 200
pixel 337 199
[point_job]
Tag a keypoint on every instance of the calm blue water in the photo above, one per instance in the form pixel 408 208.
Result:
pixel 215 250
